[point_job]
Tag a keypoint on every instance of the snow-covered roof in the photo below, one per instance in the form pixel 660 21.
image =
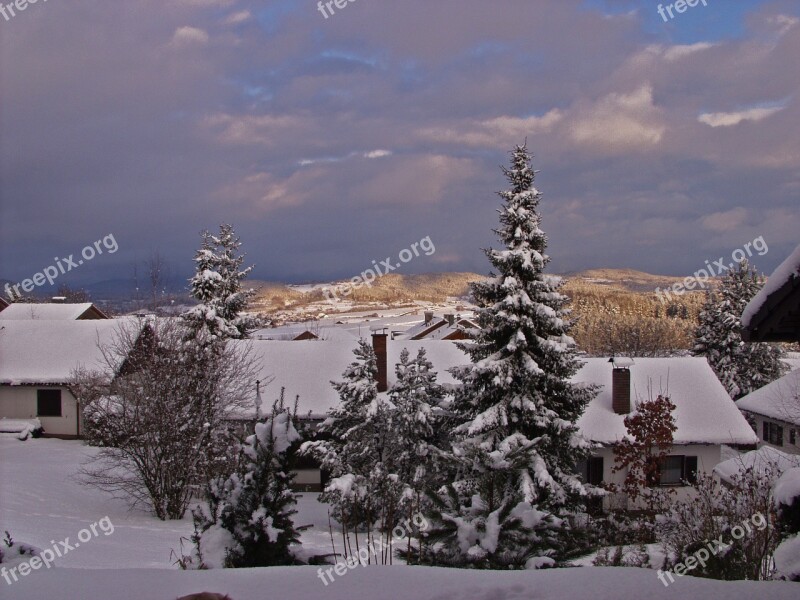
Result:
pixel 704 412
pixel 788 270
pixel 307 369
pixel 46 352
pixel 21 311
pixel 779 399
pixel 758 460
pixel 289 332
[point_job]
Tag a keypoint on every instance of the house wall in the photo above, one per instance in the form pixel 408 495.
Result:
pixel 19 402
pixel 708 457
pixel 787 447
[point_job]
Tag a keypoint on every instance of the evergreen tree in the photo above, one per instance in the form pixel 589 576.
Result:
pixel 359 441
pixel 217 286
pixel 417 459
pixel 248 522
pixel 517 441
pixel 741 367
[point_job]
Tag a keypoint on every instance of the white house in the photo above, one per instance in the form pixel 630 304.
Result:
pixel 775 411
pixel 37 358
pixel 705 416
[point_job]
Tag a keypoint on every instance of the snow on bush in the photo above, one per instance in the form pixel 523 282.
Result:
pixel 13 553
pixel 787 559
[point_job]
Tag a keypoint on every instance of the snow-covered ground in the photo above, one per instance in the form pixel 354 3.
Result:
pixel 41 500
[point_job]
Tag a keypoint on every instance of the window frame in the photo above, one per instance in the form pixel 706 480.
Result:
pixel 55 395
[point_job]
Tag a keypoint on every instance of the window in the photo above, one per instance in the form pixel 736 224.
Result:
pixel 675 470
pixel 591 470
pixel 773 433
pixel 48 403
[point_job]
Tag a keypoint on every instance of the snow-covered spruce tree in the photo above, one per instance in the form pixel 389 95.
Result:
pixel 741 367
pixel 359 441
pixel 248 520
pixel 517 441
pixel 417 458
pixel 217 286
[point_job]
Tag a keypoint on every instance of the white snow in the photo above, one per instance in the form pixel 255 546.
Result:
pixel 20 428
pixel 787 557
pixel 787 270
pixel 787 488
pixel 41 352
pixel 779 399
pixel 388 583
pixel 758 460
pixel 21 311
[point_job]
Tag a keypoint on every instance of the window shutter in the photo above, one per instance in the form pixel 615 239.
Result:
pixel 765 431
pixel 779 440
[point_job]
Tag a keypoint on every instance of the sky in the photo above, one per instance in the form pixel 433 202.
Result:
pixel 333 140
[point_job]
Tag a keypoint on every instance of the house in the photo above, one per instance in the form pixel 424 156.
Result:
pixel 449 327
pixel 22 311
pixel 773 315
pixel 37 359
pixel 774 411
pixel 706 418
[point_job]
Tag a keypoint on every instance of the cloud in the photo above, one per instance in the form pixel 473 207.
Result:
pixel 238 17
pixel 377 153
pixel 729 119
pixel 497 132
pixel 672 53
pixel 722 222
pixel 187 36
pixel 620 121
pixel 254 130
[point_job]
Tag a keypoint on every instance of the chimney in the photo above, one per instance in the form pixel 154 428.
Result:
pixel 379 346
pixel 621 384
pixel 428 316
pixel 450 319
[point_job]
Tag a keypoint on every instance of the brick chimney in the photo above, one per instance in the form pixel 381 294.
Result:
pixel 379 346
pixel 621 384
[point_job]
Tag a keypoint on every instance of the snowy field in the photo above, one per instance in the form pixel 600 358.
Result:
pixel 41 500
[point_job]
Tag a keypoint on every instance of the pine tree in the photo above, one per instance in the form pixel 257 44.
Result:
pixel 741 367
pixel 248 521
pixel 417 459
pixel 517 440
pixel 217 286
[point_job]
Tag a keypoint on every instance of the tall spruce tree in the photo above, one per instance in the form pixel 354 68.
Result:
pixel 217 286
pixel 517 440
pixel 741 367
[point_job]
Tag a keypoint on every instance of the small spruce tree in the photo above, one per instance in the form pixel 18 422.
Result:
pixel 249 518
